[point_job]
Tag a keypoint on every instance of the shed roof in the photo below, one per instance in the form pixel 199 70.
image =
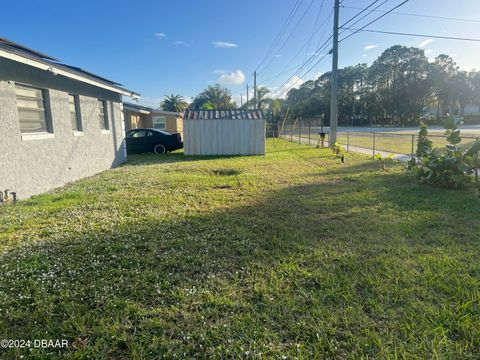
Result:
pixel 235 114
pixel 23 54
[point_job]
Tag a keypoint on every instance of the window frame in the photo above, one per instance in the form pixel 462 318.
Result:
pixel 164 122
pixel 105 124
pixel 46 110
pixel 78 114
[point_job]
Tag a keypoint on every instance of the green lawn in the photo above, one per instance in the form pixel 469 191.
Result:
pixel 290 255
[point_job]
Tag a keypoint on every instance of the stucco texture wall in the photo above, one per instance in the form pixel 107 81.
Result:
pixel 31 167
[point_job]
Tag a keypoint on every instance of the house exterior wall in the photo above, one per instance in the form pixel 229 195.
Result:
pixel 32 166
pixel 141 117
pixel 224 137
pixel 173 123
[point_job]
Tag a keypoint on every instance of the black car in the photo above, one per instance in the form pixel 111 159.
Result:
pixel 152 140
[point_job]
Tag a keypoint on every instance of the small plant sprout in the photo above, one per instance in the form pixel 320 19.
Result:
pixel 339 151
pixel 383 160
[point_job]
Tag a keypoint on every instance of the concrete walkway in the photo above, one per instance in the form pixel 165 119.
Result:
pixel 399 157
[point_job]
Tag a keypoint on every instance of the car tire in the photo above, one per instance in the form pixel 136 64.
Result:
pixel 159 149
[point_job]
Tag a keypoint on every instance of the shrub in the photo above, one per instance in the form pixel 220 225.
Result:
pixel 383 160
pixel 450 168
pixel 339 151
pixel 424 145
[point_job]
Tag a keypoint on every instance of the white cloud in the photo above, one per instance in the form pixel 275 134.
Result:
pixel 238 99
pixel 236 77
pixel 160 35
pixel 180 43
pixel 424 43
pixel 370 47
pixel 364 55
pixel 428 51
pixel 224 44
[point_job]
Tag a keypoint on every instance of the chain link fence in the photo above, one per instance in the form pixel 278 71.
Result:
pixel 309 132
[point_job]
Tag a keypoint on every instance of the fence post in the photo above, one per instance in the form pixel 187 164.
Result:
pixel 413 146
pixel 300 131
pixel 309 123
pixel 373 143
pixel 291 132
pixel 476 170
pixel 348 141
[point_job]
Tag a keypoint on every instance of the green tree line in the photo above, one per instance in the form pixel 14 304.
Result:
pixel 397 89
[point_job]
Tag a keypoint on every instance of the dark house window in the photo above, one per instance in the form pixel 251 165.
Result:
pixel 103 115
pixel 31 106
pixel 75 116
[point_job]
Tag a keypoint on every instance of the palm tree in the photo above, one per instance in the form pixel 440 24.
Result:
pixel 262 99
pixel 175 103
pixel 213 97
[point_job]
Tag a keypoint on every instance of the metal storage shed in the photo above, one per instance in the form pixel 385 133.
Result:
pixel 224 132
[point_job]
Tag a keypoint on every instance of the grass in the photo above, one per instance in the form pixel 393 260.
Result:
pixel 289 255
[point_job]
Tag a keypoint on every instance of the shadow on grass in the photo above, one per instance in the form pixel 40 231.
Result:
pixel 178 156
pixel 322 269
pixel 151 159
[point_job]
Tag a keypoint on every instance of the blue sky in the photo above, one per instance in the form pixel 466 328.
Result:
pixel 162 47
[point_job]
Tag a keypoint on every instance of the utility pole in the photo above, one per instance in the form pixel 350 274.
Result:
pixel 334 91
pixel 255 90
pixel 241 99
pixel 247 97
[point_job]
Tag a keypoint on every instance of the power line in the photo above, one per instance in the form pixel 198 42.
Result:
pixel 364 16
pixel 375 20
pixel 361 12
pixel 314 30
pixel 412 34
pixel 290 34
pixel 285 69
pixel 303 66
pixel 296 81
pixel 419 15
pixel 310 59
pixel 281 32
pixel 306 44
